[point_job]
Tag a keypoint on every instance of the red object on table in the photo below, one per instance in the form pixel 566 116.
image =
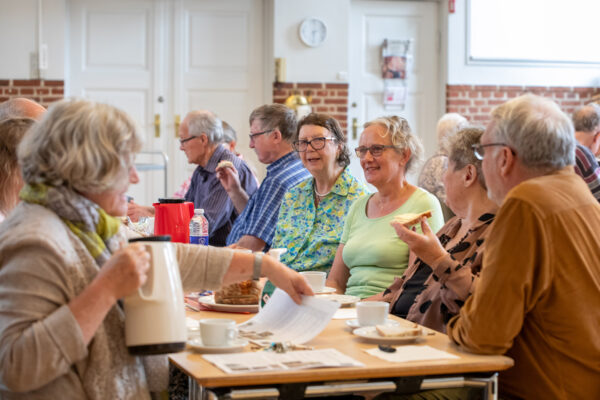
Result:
pixel 172 217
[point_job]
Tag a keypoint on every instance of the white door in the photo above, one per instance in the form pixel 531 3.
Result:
pixel 158 59
pixel 222 74
pixel 371 23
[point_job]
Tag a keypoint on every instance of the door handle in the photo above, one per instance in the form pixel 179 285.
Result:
pixel 177 123
pixel 354 128
pixel 157 125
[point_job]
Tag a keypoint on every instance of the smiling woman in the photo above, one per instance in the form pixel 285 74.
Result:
pixel 370 254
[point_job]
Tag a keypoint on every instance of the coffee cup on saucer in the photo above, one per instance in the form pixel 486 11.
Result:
pixel 316 279
pixel 218 331
pixel 371 313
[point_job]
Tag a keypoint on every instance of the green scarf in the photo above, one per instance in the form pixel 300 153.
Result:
pixel 97 230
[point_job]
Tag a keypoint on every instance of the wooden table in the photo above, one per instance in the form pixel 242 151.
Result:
pixel 377 375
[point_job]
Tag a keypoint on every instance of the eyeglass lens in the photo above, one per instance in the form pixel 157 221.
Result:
pixel 316 143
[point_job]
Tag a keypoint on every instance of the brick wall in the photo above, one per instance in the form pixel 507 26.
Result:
pixel 42 91
pixel 476 102
pixel 327 98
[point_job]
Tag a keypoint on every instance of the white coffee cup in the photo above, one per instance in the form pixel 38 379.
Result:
pixel 371 313
pixel 217 331
pixel 316 279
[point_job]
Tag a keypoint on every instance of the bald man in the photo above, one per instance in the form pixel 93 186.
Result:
pixel 21 107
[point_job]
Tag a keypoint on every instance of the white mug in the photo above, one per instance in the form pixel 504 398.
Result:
pixel 371 313
pixel 217 331
pixel 315 279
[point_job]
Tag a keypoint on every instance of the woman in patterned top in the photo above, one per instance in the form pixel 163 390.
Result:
pixel 311 217
pixel 444 269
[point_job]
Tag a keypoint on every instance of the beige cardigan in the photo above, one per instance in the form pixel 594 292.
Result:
pixel 42 354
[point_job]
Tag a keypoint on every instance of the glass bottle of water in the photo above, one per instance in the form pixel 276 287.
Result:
pixel 199 228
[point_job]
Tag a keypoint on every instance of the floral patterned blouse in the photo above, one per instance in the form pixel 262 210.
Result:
pixel 312 235
pixel 431 295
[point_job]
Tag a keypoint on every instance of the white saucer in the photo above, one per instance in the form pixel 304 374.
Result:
pixel 343 299
pixel 353 323
pixel 237 346
pixel 209 301
pixel 370 334
pixel 326 290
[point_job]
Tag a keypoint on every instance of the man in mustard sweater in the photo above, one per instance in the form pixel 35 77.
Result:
pixel 538 297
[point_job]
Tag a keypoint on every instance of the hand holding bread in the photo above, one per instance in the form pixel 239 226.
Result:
pixel 426 246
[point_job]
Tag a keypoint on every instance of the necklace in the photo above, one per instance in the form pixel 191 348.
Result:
pixel 319 194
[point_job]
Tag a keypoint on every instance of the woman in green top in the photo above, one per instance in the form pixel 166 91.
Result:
pixel 370 253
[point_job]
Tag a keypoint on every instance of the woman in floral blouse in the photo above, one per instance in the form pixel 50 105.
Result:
pixel 311 217
pixel 444 269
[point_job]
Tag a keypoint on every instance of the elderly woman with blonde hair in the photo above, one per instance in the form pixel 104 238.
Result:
pixel 64 265
pixel 370 255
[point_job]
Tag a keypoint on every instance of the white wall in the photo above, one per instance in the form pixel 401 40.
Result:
pixel 19 30
pixel 306 64
pixel 461 71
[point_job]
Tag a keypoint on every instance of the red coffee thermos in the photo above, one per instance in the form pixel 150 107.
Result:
pixel 172 217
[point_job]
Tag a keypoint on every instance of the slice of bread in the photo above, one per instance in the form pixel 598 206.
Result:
pixel 225 164
pixel 411 219
pixel 398 331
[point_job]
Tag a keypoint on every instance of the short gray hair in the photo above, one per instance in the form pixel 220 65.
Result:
pixel 537 130
pixel 401 135
pixel 203 121
pixel 460 150
pixel 447 127
pixel 80 144
pixel 276 116
pixel 587 118
pixel 229 134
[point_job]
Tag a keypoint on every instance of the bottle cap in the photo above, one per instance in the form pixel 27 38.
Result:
pixel 199 211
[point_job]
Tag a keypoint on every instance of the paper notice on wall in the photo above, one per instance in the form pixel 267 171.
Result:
pixel 282 320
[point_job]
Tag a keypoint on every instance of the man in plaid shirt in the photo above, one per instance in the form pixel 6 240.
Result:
pixel 272 128
pixel 587 132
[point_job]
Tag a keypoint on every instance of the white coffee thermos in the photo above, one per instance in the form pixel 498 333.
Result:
pixel 155 314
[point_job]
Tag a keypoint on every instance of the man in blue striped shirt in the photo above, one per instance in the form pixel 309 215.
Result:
pixel 272 128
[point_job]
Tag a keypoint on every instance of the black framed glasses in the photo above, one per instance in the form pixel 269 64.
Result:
pixel 479 149
pixel 317 143
pixel 184 141
pixel 376 150
pixel 253 135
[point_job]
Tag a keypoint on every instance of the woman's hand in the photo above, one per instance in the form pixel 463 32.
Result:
pixel 286 279
pixel 135 211
pixel 426 246
pixel 125 271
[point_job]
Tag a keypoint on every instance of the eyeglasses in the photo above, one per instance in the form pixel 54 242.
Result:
pixel 376 150
pixel 183 141
pixel 317 143
pixel 253 135
pixel 479 149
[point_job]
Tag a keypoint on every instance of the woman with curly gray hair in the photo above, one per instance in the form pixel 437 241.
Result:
pixel 64 263
pixel 370 255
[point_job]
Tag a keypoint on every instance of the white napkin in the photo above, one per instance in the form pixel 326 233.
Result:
pixel 345 313
pixel 411 353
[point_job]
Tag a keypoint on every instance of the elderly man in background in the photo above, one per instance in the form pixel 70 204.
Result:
pixel 20 107
pixel 272 129
pixel 431 175
pixel 200 138
pixel 587 132
pixel 538 294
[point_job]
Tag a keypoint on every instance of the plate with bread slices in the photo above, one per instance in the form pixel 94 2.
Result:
pixel 397 334
pixel 209 301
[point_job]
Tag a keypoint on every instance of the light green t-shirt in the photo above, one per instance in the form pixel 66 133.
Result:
pixel 372 250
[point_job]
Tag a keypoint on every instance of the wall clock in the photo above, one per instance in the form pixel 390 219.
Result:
pixel 313 32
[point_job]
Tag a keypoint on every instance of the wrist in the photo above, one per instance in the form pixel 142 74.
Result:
pixel 257 265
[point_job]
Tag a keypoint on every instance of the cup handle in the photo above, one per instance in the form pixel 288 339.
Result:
pixel 232 333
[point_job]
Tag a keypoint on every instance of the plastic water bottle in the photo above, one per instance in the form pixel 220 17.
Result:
pixel 199 228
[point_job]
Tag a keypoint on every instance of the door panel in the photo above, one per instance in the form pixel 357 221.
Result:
pixel 371 23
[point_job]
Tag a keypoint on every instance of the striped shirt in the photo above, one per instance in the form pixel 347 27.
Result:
pixel 259 218
pixel 207 192
pixel 587 167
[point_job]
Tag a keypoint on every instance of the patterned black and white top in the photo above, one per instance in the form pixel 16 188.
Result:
pixel 431 295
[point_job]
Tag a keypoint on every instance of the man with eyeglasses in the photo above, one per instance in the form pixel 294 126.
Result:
pixel 272 129
pixel 539 290
pixel 200 138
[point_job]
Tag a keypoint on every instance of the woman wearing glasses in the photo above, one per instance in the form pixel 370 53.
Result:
pixel 311 217
pixel 370 254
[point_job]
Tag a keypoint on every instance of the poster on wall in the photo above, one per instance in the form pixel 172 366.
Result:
pixel 396 55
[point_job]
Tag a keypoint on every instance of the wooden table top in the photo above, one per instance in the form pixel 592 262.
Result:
pixel 338 336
